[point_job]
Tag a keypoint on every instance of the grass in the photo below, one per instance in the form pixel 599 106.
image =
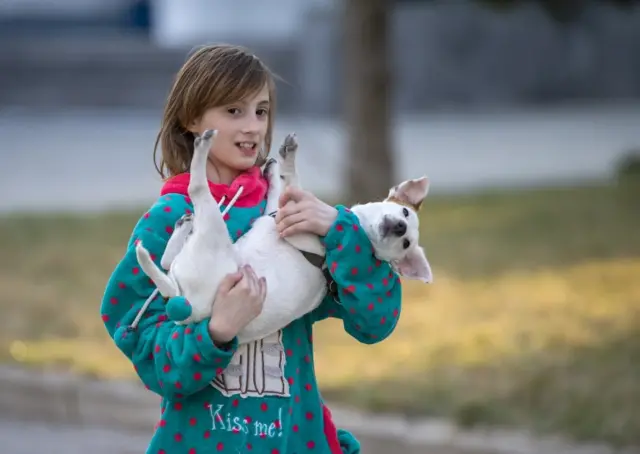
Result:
pixel 533 320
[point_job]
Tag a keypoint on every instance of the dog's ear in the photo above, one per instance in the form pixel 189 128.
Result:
pixel 410 192
pixel 414 265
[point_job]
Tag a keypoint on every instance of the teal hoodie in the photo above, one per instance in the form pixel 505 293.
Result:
pixel 258 397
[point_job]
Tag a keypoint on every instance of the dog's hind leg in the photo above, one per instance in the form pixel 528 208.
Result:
pixel 163 282
pixel 178 238
pixel 208 224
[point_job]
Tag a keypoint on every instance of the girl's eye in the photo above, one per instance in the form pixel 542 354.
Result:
pixel 262 112
pixel 233 110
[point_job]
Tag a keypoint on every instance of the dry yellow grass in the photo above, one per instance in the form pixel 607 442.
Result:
pixel 533 318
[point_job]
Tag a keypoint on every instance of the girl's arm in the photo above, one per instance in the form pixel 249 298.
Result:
pixel 172 360
pixel 369 291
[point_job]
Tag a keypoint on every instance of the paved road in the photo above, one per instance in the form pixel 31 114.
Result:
pixel 84 159
pixel 31 438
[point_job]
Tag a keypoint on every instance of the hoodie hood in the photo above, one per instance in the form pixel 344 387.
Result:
pixel 254 188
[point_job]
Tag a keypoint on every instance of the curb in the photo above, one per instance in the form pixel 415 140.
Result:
pixel 64 398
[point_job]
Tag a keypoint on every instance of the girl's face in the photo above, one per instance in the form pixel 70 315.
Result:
pixel 242 127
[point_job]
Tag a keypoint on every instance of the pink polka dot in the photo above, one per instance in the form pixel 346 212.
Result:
pixel 197 376
pixel 220 446
pixel 178 437
pixel 354 270
pixel 349 289
pixel 193 421
pixel 311 444
pixel 167 209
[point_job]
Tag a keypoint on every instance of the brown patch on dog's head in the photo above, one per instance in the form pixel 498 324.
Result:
pixel 410 193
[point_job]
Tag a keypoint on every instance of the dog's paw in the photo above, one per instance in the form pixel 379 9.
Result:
pixel 178 309
pixel 289 147
pixel 205 139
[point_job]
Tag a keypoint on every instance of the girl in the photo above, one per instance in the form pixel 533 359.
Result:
pixel 218 396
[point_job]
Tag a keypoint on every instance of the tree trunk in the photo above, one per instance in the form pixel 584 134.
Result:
pixel 367 87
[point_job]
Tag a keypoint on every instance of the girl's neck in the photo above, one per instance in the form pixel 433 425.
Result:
pixel 220 174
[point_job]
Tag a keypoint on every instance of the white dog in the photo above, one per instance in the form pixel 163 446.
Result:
pixel 200 253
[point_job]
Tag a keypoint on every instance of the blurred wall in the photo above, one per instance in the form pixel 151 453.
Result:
pixel 445 54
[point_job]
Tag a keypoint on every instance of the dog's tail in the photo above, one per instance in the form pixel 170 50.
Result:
pixel 162 281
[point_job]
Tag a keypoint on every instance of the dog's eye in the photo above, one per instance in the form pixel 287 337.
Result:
pixel 405 212
pixel 406 243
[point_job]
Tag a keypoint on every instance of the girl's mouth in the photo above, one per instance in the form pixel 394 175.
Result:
pixel 247 148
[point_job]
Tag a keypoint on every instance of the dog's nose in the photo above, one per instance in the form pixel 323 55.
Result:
pixel 399 228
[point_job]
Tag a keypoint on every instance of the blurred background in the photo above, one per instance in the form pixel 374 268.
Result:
pixel 525 115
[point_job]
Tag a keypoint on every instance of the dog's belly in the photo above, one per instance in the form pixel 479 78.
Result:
pixel 294 286
pixel 199 274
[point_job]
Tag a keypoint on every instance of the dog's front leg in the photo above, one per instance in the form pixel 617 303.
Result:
pixel 272 174
pixel 287 153
pixel 289 174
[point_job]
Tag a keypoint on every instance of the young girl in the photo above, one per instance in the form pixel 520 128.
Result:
pixel 218 396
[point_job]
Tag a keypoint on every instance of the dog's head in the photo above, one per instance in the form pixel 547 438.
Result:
pixel 393 228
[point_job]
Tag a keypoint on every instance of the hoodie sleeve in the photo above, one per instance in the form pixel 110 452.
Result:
pixel 369 300
pixel 172 360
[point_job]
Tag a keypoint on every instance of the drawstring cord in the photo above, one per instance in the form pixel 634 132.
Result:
pixel 145 306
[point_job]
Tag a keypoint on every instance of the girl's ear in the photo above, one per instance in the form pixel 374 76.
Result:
pixel 194 127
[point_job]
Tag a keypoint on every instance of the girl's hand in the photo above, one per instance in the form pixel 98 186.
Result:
pixel 301 211
pixel 238 301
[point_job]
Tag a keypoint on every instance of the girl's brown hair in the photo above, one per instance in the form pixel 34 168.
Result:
pixel 213 76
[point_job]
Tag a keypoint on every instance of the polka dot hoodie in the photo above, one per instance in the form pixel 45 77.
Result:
pixel 259 397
